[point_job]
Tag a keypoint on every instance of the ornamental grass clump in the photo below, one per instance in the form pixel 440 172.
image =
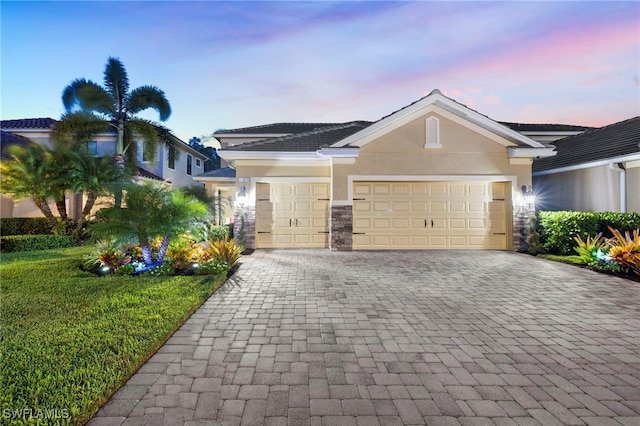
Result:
pixel 592 250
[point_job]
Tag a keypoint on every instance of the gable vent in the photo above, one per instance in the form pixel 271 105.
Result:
pixel 433 133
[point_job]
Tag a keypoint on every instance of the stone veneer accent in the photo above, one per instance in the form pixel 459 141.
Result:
pixel 245 214
pixel 521 227
pixel 341 226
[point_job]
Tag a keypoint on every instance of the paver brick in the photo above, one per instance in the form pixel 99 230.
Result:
pixel 490 338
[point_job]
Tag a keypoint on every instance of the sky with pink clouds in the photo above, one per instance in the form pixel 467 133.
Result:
pixel 236 64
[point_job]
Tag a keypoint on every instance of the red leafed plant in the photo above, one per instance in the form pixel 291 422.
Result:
pixel 625 249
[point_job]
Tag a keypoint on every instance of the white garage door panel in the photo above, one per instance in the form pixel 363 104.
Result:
pixel 419 215
pixel 292 215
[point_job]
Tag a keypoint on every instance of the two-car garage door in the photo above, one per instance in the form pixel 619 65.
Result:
pixel 429 215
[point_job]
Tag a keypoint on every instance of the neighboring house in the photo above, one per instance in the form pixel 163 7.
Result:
pixel 161 167
pixel 434 174
pixel 598 170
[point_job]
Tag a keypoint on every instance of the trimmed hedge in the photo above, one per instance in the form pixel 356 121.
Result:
pixel 558 229
pixel 24 226
pixel 13 243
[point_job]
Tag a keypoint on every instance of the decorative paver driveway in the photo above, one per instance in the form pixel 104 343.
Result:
pixel 313 337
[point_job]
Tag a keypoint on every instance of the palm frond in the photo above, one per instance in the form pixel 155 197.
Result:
pixel 85 95
pixel 116 81
pixel 148 97
pixel 76 128
pixel 169 140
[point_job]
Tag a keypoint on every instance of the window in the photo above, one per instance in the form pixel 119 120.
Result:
pixel 92 147
pixel 189 161
pixel 433 133
pixel 171 160
pixel 198 163
pixel 147 153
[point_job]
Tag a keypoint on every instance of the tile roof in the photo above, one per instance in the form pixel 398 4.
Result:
pixel 614 140
pixel 225 172
pixel 9 139
pixel 274 129
pixel 28 123
pixel 147 174
pixel 533 127
pixel 306 141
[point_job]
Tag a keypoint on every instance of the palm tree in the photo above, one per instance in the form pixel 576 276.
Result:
pixel 91 109
pixel 151 211
pixel 91 175
pixel 41 174
pixel 29 174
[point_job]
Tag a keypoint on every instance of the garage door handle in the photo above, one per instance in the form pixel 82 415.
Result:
pixel 359 233
pixel 290 221
pixel 425 223
pixel 432 223
pixel 498 199
pixel 499 233
pixel 323 232
pixel 264 232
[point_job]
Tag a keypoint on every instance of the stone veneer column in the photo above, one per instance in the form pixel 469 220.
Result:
pixel 244 222
pixel 341 228
pixel 521 226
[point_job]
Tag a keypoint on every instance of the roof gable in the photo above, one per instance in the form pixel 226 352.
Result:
pixel 614 141
pixel 437 102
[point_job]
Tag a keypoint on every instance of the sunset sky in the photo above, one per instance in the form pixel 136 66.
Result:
pixel 236 64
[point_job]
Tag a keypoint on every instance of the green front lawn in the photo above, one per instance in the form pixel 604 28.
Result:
pixel 69 339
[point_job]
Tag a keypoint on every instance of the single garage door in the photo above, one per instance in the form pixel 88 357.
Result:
pixel 430 215
pixel 292 215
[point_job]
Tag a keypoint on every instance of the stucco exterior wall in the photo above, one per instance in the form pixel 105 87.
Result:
pixel 593 189
pixel 288 170
pixel 402 152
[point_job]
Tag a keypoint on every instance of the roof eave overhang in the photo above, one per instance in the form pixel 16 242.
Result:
pixel 214 179
pixel 519 152
pixel 338 152
pixel 588 165
pixel 233 156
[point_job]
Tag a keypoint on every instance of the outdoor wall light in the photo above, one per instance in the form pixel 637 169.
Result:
pixel 528 199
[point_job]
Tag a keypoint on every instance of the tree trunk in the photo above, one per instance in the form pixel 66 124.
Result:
pixel 119 162
pixel 61 205
pixel 146 254
pixel 86 211
pixel 163 249
pixel 41 203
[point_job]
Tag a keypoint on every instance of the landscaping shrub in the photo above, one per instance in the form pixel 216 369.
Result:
pixel 13 243
pixel 558 229
pixel 24 226
pixel 225 251
pixel 209 231
pixel 625 250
